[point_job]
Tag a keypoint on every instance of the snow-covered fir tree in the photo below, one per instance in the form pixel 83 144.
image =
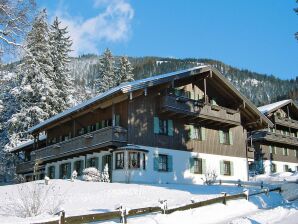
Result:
pixel 106 78
pixel 124 72
pixel 60 44
pixel 36 92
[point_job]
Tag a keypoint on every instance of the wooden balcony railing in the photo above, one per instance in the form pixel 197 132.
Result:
pixel 276 137
pixel 286 122
pixel 194 108
pixel 24 167
pixel 109 136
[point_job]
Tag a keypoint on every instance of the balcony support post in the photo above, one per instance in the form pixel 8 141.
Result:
pixel 74 128
pixel 113 115
pixel 205 90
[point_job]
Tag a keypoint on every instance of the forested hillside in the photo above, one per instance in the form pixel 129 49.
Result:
pixel 259 88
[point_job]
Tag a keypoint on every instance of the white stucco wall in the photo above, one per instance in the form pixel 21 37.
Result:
pixel 280 165
pixel 181 167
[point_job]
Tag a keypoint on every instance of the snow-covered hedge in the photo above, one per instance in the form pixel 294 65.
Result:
pixel 94 175
pixel 91 174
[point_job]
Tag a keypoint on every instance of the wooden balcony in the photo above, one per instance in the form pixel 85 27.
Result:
pixel 275 137
pixel 286 122
pixel 195 109
pixel 25 167
pixel 109 136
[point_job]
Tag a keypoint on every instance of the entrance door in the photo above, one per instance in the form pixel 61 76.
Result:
pixel 107 159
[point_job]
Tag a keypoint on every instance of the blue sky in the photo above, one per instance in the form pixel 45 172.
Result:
pixel 251 34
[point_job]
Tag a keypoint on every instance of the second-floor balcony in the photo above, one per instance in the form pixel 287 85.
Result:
pixel 200 110
pixel 109 136
pixel 275 137
pixel 288 122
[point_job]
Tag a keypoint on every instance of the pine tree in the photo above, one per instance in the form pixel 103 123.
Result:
pixel 36 92
pixel 60 44
pixel 124 73
pixel 106 79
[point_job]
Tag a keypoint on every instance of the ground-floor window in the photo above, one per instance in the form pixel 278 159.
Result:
pixel 119 160
pixel 226 168
pixel 163 163
pixel 79 166
pixel 134 159
pixel 296 168
pixel 51 172
pixel 273 168
pixel 286 168
pixel 65 171
pixel 92 162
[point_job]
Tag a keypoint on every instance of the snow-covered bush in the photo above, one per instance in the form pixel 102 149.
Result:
pixel 105 177
pixel 91 174
pixel 210 177
pixel 74 175
pixel 46 180
pixel 32 199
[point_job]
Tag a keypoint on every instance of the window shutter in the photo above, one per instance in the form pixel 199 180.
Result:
pixel 192 95
pixel 97 126
pixel 221 137
pixel 231 137
pixel 96 162
pixel 60 172
pixel 155 162
pixel 88 163
pixel 203 132
pixel 222 171
pixel 203 166
pixel 191 164
pixel 191 132
pixel 103 123
pixel 81 167
pixel 117 120
pixel 68 170
pixel 170 163
pixel 156 125
pixel 232 168
pixel 170 128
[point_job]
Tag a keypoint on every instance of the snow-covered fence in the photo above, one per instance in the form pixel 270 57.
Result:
pixel 117 215
pixel 241 183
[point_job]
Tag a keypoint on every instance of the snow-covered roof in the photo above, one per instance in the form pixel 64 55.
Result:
pixel 273 106
pixel 28 143
pixel 143 83
pixel 124 88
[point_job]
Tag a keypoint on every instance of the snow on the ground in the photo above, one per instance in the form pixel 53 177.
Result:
pixel 233 212
pixel 95 197
pixel 289 189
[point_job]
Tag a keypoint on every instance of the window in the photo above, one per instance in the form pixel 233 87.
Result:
pixel 272 149
pixel 296 168
pixel 134 160
pixel 198 168
pixel 92 162
pixel 286 168
pixel 226 168
pixel 163 127
pixel 225 137
pixel 51 172
pixel 273 168
pixel 81 131
pixel 65 170
pixel 296 153
pixel 285 151
pixel 119 160
pixel 78 166
pixel 163 163
pixel 196 133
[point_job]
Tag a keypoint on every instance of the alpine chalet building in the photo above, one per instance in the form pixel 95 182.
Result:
pixel 170 128
pixel 276 148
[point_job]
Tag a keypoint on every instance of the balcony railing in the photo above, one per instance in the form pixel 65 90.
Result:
pixel 276 137
pixel 25 167
pixel 109 136
pixel 194 108
pixel 286 122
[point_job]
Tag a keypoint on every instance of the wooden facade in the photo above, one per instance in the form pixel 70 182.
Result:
pixel 279 143
pixel 199 98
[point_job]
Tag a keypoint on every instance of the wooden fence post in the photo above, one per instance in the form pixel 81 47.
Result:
pixel 62 217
